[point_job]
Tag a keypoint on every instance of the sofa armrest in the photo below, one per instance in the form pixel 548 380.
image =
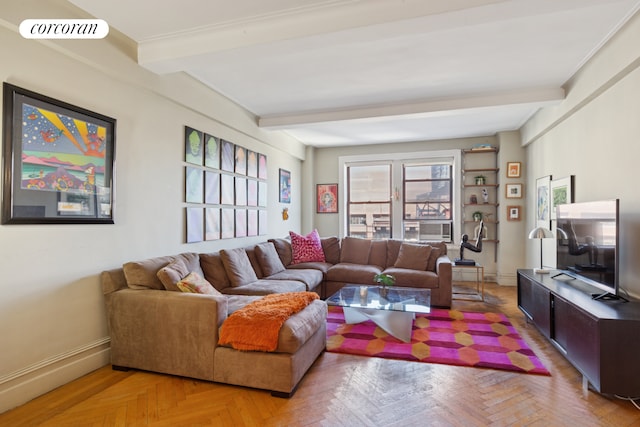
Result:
pixel 445 275
pixel 162 331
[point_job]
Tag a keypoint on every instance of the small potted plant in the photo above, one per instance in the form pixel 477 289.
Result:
pixel 480 180
pixel 384 280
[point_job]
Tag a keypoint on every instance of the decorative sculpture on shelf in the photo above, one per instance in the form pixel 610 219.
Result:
pixel 465 244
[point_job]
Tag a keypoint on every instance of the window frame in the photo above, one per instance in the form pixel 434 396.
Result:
pixel 397 160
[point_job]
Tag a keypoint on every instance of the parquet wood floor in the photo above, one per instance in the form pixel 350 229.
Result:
pixel 344 390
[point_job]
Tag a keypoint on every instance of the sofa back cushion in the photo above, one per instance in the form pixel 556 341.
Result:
pixel 331 248
pixel 180 267
pixel 268 258
pixel 378 253
pixel 412 256
pixel 214 271
pixel 355 251
pixel 238 267
pixel 283 247
pixel 143 274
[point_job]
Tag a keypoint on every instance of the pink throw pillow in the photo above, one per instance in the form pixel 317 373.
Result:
pixel 306 248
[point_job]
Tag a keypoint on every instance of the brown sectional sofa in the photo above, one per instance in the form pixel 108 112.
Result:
pixel 155 327
pixel 357 261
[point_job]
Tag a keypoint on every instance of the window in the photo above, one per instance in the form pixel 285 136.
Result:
pixel 409 196
pixel 369 201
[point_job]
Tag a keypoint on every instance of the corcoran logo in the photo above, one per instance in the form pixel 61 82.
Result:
pixel 64 29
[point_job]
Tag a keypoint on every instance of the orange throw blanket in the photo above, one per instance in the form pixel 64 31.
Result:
pixel 256 326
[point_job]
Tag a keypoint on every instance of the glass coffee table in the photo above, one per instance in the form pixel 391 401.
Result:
pixel 394 311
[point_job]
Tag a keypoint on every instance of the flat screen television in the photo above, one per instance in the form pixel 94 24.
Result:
pixel 587 236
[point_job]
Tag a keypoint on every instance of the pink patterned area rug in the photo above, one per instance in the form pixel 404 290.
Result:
pixel 450 337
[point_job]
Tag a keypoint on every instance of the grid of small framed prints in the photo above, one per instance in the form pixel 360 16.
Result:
pixel 225 189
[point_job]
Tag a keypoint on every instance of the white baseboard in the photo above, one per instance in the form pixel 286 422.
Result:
pixel 19 387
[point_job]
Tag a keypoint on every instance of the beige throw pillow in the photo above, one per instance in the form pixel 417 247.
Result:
pixel 414 257
pixel 180 267
pixel 196 284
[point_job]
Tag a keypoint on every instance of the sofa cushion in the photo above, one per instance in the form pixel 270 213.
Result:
pixel 268 259
pixel 354 250
pixel 413 278
pixel 255 263
pixel 181 266
pixel 393 249
pixel 283 247
pixel 310 277
pixel 238 267
pixel 143 274
pixel 214 271
pixel 306 248
pixel 320 266
pixel 196 284
pixel 353 273
pixel 331 248
pixel 433 257
pixel 266 287
pixel 414 257
pixel 378 253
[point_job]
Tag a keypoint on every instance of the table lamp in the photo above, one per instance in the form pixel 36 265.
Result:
pixel 540 233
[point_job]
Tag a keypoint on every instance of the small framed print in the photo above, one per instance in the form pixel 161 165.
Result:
pixel 513 191
pixel 513 213
pixel 285 186
pixel 327 198
pixel 513 169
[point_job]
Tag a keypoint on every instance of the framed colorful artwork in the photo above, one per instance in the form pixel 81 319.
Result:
pixel 58 161
pixel 252 164
pixel 227 189
pixel 252 192
pixel 543 201
pixel 513 191
pixel 227 223
pixel 262 166
pixel 561 193
pixel 227 156
pixel 212 224
pixel 513 213
pixel 241 160
pixel 513 169
pixel 241 223
pixel 285 186
pixel 262 222
pixel 327 198
pixel 252 222
pixel 195 224
pixel 194 191
pixel 211 188
pixel 241 191
pixel 193 146
pixel 211 151
pixel 262 194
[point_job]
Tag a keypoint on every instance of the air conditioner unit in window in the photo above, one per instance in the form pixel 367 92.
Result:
pixel 436 231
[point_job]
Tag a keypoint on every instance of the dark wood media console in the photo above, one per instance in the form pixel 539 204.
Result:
pixel 601 339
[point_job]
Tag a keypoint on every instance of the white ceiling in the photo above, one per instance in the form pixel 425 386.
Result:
pixel 348 72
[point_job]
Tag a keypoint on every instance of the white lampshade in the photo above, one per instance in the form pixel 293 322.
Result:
pixel 540 233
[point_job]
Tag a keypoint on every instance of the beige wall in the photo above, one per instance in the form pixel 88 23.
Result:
pixel 51 307
pixel 594 134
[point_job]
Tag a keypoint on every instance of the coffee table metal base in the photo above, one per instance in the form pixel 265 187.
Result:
pixel 396 323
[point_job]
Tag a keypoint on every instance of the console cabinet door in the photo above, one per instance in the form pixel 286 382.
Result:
pixel 535 302
pixel 578 333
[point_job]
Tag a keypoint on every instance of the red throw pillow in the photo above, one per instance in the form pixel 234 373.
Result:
pixel 306 248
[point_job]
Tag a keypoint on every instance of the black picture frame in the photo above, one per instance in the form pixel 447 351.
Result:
pixel 285 186
pixel 58 161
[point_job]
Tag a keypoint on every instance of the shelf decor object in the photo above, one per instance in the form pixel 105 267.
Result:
pixel 58 161
pixel 540 233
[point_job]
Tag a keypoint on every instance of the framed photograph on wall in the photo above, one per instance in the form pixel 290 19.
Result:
pixel 513 191
pixel 561 193
pixel 285 186
pixel 327 198
pixel 513 169
pixel 543 201
pixel 58 161
pixel 514 213
pixel 211 151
